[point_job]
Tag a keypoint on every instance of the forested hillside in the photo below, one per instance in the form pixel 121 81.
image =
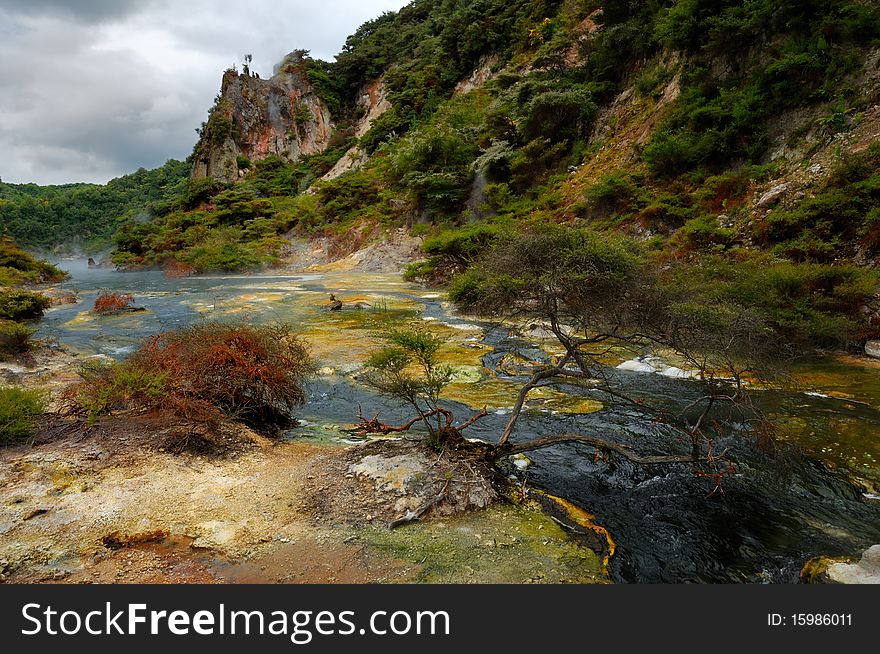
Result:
pixel 85 216
pixel 732 139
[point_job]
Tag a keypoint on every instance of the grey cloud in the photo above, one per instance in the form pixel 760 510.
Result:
pixel 96 98
pixel 81 10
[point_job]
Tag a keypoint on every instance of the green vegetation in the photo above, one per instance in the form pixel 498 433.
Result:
pixel 17 267
pixel 470 171
pixel 409 371
pixel 18 305
pixel 840 219
pixel 452 251
pixel 799 304
pixel 783 55
pixel 85 215
pixel 19 411
pixel 15 339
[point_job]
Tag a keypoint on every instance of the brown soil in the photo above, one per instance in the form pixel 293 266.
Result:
pixel 112 504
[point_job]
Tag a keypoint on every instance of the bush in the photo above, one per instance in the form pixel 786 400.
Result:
pixel 22 305
pixel 15 338
pixel 202 373
pixel 840 215
pixel 19 410
pixel 434 165
pixel 558 116
pixel 452 251
pixel 17 266
pixel 534 163
pixel 615 193
pixel 109 303
pixel 813 304
pixel 703 232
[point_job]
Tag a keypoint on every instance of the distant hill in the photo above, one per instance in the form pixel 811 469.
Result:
pixel 84 216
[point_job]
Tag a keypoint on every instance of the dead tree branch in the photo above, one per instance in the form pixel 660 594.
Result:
pixel 422 510
pixel 598 443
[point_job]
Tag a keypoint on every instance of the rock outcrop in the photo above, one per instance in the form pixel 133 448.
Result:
pixel 255 118
pixel 373 102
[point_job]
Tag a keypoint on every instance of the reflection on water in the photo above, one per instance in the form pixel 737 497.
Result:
pixel 665 526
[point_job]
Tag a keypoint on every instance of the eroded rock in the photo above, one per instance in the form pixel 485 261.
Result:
pixel 772 196
pixel 866 571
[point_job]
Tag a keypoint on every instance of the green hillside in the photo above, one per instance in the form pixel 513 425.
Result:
pixel 84 216
pixel 731 139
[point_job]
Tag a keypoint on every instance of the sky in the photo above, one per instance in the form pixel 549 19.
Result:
pixel 94 89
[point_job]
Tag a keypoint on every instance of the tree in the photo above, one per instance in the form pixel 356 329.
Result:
pixel 408 370
pixel 597 294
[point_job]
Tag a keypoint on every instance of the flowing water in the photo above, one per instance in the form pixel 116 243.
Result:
pixel 774 515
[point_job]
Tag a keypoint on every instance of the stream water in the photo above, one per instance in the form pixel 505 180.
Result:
pixel 774 515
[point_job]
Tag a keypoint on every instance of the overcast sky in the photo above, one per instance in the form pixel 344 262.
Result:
pixel 94 89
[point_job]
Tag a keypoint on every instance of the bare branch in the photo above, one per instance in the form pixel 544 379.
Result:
pixel 598 443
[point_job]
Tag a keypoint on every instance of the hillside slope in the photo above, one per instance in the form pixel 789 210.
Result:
pixel 724 135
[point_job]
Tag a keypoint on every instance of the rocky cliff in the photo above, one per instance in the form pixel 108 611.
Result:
pixel 254 118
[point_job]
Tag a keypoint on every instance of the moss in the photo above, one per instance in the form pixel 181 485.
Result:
pixel 500 544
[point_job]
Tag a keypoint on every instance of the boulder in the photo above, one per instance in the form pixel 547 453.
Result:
pixel 872 349
pixel 866 571
pixel 772 196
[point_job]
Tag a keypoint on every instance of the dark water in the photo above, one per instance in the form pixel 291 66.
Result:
pixel 775 514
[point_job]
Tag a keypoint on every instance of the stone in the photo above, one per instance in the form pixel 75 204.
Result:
pixel 281 116
pixel 772 196
pixel 872 349
pixel 866 571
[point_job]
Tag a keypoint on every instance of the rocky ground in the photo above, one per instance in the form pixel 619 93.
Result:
pixel 378 253
pixel 129 500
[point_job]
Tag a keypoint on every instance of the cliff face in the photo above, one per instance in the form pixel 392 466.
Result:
pixel 256 118
pixel 372 102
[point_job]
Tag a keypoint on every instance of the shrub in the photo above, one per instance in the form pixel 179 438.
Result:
pixel 15 338
pixel 17 266
pixel 198 191
pixel 841 213
pixel 227 257
pixel 434 165
pixel 20 305
pixel 452 251
pixel 19 410
pixel 109 303
pixel 344 196
pixel 534 163
pixel 204 372
pixel 808 303
pixel 703 232
pixel 615 193
pixel 558 115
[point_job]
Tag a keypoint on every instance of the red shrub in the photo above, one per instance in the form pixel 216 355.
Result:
pixel 107 303
pixel 202 373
